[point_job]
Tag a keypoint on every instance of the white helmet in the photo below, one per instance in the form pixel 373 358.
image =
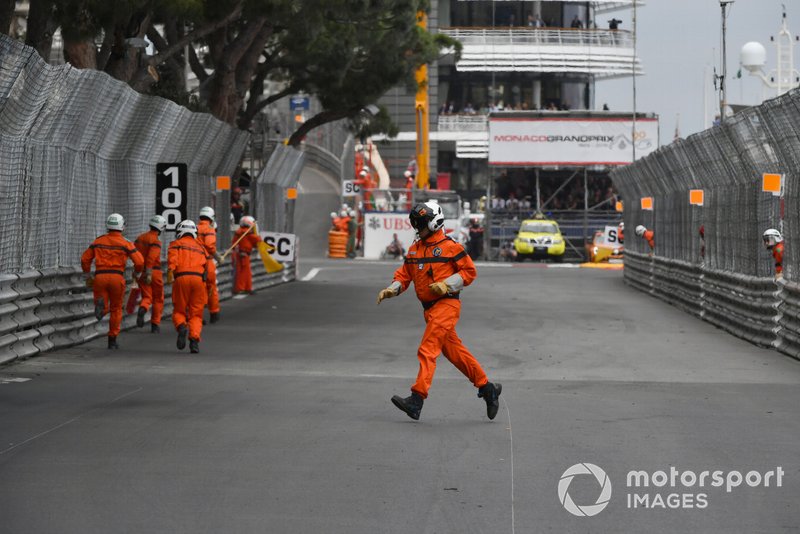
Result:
pixel 158 222
pixel 333 215
pixel 247 221
pixel 362 173
pixel 352 212
pixel 187 227
pixel 772 237
pixel 640 230
pixel 115 221
pixel 622 225
pixel 207 211
pixel 407 174
pixel 427 215
pixel 343 213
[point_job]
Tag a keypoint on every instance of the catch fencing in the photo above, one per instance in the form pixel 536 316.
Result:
pixel 727 276
pixel 76 145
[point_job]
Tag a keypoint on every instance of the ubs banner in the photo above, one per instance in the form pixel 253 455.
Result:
pixel 379 230
pixel 569 141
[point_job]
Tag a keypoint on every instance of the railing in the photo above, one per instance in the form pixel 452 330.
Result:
pixel 540 36
pixel 463 123
pixel 575 226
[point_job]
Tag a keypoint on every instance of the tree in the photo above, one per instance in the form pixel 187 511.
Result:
pixel 346 52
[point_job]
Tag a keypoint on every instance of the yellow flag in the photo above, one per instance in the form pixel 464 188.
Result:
pixel 270 264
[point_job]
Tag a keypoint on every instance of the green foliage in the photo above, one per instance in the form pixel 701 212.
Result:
pixel 347 53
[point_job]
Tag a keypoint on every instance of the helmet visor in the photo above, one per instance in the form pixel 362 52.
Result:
pixel 419 217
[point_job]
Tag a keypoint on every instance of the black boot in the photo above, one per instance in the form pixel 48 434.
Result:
pixel 182 333
pixel 490 393
pixel 412 404
pixel 214 317
pixel 194 346
pixel 140 317
pixel 98 309
pixel 155 329
pixel 112 343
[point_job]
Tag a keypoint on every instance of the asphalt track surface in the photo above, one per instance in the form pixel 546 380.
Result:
pixel 283 422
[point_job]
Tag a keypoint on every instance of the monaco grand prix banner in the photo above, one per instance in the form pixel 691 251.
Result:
pixel 379 230
pixel 566 141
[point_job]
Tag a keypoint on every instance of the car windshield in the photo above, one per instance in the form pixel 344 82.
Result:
pixel 539 228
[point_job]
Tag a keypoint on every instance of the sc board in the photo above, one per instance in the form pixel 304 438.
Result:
pixel 284 245
pixel 350 188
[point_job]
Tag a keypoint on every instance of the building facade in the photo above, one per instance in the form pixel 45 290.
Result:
pixel 519 56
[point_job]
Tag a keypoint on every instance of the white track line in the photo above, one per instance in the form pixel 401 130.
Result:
pixel 40 434
pixel 311 274
pixel 511 440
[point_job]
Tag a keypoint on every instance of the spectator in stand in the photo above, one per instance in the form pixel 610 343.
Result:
pixel 512 21
pixel 576 23
pixel 468 109
pixel 613 24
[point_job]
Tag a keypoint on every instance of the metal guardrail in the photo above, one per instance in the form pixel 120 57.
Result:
pixel 761 310
pixel 52 308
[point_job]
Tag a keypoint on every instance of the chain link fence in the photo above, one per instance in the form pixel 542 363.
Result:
pixel 727 163
pixel 727 277
pixel 76 145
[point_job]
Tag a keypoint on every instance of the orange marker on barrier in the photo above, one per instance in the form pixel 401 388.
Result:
pixel 772 183
pixel 647 203
pixel 696 197
pixel 223 183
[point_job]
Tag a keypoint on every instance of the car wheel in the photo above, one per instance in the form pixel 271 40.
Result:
pixel 519 258
pixel 558 259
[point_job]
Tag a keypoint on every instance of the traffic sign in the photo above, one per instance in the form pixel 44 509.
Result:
pixel 299 102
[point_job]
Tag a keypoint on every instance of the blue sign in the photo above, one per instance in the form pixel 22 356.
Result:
pixel 299 102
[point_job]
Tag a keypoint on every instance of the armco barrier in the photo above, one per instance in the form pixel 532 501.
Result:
pixel 53 308
pixel 761 310
pixel 743 305
pixel 788 320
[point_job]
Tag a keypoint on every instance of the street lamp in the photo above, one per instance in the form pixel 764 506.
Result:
pixel 723 103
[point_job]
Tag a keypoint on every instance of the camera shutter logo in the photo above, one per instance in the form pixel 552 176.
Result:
pixel 590 509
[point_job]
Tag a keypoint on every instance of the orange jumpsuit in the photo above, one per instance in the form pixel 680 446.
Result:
pixel 149 246
pixel 434 260
pixel 186 258
pixel 777 254
pixel 110 253
pixel 207 236
pixel 649 236
pixel 244 275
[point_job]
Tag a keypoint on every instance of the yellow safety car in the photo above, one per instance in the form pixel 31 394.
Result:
pixel 539 238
